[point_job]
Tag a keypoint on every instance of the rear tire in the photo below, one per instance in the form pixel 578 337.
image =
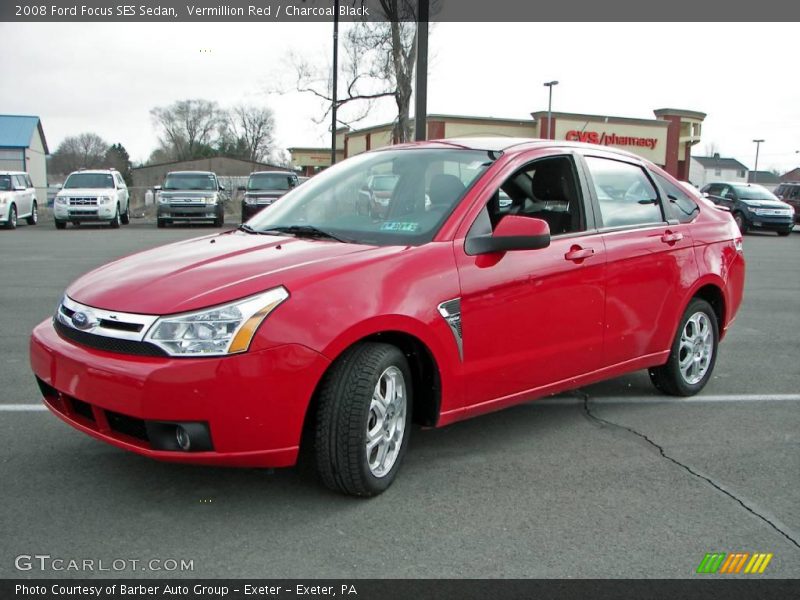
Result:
pixel 33 219
pixel 11 223
pixel 693 353
pixel 363 419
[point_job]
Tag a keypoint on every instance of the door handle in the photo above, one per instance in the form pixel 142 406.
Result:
pixel 577 253
pixel 670 238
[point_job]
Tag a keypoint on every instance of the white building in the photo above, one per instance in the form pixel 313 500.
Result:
pixel 23 147
pixel 709 169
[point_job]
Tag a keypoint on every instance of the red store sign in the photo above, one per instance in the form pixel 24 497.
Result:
pixel 610 139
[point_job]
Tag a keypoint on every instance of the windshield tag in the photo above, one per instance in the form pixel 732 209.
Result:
pixel 400 226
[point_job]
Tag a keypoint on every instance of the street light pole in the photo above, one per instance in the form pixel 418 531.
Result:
pixel 550 84
pixel 421 88
pixel 755 171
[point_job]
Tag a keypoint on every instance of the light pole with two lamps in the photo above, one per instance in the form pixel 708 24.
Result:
pixel 550 84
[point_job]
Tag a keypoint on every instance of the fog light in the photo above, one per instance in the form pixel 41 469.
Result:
pixel 182 437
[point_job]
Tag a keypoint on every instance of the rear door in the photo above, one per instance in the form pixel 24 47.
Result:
pixel 24 197
pixel 650 260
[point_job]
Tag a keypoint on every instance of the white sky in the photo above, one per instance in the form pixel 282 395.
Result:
pixel 105 78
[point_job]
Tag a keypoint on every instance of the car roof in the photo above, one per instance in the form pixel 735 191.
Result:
pixel 511 144
pixel 274 172
pixel 95 171
pixel 192 172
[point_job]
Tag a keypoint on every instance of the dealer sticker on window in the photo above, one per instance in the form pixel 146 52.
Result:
pixel 400 226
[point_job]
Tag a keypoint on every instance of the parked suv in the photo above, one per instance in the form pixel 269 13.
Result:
pixel 98 196
pixel 790 193
pixel 753 206
pixel 314 318
pixel 17 199
pixel 189 197
pixel 264 188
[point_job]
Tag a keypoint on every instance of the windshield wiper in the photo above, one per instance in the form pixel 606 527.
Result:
pixel 306 231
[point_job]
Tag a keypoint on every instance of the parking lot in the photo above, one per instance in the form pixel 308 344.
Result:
pixel 611 480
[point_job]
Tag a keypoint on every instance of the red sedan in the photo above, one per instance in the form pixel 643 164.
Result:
pixel 222 350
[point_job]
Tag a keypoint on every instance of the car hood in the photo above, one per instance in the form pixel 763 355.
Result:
pixel 86 192
pixel 212 270
pixel 764 203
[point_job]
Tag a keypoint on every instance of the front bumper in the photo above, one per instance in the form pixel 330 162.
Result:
pixel 771 223
pixel 253 404
pixel 248 210
pixel 206 212
pixel 84 213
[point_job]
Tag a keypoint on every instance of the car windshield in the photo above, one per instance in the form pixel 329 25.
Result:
pixel 754 192
pixel 89 180
pixel 5 183
pixel 190 181
pixel 269 181
pixel 430 183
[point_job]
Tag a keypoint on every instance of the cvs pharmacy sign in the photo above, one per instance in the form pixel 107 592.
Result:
pixel 610 139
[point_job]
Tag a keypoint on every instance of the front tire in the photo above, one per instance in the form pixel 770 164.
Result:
pixel 741 222
pixel 693 354
pixel 363 419
pixel 116 220
pixel 33 219
pixel 11 223
pixel 61 224
pixel 785 233
pixel 125 219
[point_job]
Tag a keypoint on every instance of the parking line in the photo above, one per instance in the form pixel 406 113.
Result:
pixel 674 400
pixel 22 407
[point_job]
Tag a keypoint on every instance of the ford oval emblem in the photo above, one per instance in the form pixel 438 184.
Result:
pixel 80 320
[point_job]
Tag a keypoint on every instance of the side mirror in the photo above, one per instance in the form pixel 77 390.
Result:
pixel 221 188
pixel 157 188
pixel 512 233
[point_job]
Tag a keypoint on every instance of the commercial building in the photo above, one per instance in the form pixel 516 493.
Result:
pixel 23 147
pixel 666 140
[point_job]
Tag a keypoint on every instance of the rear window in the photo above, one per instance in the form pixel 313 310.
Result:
pixel 683 207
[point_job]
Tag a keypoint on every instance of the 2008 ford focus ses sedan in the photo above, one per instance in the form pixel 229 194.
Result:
pixel 316 317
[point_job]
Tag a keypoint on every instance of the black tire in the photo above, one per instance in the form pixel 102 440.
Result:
pixel 61 224
pixel 116 220
pixel 785 233
pixel 669 378
pixel 344 414
pixel 741 222
pixel 219 221
pixel 11 223
pixel 125 218
pixel 161 223
pixel 33 219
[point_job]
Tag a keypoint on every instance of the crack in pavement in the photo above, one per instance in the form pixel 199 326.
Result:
pixel 601 421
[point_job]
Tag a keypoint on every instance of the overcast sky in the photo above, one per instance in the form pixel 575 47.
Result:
pixel 105 78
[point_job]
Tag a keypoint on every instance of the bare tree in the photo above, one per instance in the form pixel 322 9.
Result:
pixel 251 130
pixel 379 61
pixel 188 128
pixel 84 151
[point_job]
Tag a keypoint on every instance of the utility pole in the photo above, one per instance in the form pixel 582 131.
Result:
pixel 335 81
pixel 421 98
pixel 755 171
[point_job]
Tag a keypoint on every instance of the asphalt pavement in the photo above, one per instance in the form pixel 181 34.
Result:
pixel 612 480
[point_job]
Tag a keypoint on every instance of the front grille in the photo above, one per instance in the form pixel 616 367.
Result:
pixel 83 201
pixel 108 344
pixel 126 425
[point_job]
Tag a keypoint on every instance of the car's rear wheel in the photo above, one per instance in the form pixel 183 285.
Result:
pixel 11 223
pixel 741 222
pixel 693 353
pixel 363 419
pixel 116 219
pixel 33 219
pixel 60 224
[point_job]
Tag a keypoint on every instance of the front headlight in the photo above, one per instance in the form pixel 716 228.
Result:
pixel 61 199
pixel 163 199
pixel 250 200
pixel 103 199
pixel 211 200
pixel 226 329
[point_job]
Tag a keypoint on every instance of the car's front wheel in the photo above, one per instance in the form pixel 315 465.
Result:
pixel 125 218
pixel 33 218
pixel 363 419
pixel 693 354
pixel 116 219
pixel 785 233
pixel 11 223
pixel 741 222
pixel 60 224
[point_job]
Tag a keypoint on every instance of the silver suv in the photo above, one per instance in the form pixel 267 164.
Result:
pixel 190 196
pixel 98 196
pixel 17 199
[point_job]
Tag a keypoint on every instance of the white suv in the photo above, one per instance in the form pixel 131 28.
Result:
pixel 17 199
pixel 99 195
